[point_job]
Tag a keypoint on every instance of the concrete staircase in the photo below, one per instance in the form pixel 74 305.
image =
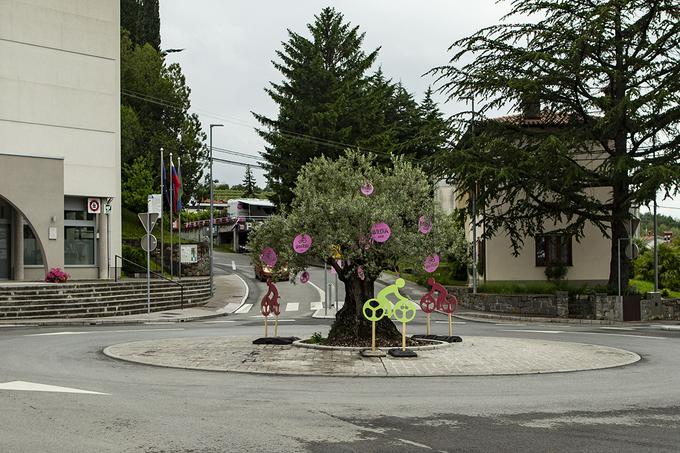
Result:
pixel 97 299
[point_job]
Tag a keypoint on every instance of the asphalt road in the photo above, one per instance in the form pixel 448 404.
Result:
pixel 148 409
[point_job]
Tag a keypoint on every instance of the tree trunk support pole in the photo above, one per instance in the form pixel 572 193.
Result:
pixel 373 336
pixel 403 336
pixel 450 326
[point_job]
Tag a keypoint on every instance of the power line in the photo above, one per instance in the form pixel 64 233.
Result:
pixel 240 164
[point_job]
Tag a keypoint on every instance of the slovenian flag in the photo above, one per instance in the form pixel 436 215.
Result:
pixel 176 188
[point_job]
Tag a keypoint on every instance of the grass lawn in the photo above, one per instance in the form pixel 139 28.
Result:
pixel 442 275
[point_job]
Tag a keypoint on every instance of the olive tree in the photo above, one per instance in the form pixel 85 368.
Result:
pixel 330 206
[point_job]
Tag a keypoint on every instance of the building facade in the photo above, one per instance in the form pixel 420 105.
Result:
pixel 59 137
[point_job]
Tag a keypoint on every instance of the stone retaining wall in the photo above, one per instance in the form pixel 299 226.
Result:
pixel 585 306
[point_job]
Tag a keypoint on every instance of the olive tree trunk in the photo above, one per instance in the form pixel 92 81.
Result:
pixel 350 322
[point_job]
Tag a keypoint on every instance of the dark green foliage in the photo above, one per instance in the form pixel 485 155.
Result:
pixel 141 18
pixel 249 185
pixel 608 76
pixel 137 256
pixel 556 272
pixel 328 102
pixel 155 114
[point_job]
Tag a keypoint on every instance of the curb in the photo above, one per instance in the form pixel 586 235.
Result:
pixel 490 318
pixel 437 345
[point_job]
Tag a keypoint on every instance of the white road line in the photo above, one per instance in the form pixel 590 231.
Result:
pixel 233 265
pixel 453 322
pixel 617 328
pixel 666 327
pixel 96 331
pixel 292 306
pixel 618 335
pixel 322 293
pixel 271 319
pixel 534 331
pixel 415 444
pixel 245 308
pixel 34 387
pixel 316 305
pixel 215 322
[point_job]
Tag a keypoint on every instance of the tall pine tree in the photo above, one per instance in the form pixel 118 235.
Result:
pixel 321 99
pixel 249 185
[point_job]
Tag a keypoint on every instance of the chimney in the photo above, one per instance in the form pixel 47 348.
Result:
pixel 531 106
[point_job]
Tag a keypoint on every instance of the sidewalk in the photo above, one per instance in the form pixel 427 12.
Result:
pixel 230 293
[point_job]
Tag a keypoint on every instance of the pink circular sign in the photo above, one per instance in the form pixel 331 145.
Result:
pixel 304 277
pixel 424 224
pixel 367 188
pixel 360 273
pixel 381 232
pixel 431 263
pixel 268 256
pixel 302 243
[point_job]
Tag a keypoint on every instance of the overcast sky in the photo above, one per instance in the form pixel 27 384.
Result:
pixel 229 45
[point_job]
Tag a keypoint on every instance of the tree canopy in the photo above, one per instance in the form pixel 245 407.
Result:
pixel 328 100
pixel 330 207
pixel 607 74
pixel 155 114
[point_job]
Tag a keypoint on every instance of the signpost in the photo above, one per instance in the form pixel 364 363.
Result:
pixel 154 202
pixel 148 220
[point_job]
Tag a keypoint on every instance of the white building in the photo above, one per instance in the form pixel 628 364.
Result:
pixel 59 137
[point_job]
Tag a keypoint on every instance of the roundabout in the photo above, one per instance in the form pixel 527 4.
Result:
pixel 476 356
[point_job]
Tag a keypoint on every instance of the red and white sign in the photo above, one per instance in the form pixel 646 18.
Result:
pixel 94 206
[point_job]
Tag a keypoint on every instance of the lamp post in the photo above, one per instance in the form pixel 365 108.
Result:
pixel 210 228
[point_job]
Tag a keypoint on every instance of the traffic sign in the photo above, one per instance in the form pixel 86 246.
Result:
pixel 94 206
pixel 149 243
pixel 154 202
pixel 148 220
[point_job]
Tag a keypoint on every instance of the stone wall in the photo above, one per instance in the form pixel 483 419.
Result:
pixel 556 305
pixel 653 307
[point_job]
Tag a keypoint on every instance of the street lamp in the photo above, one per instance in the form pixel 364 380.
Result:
pixel 210 228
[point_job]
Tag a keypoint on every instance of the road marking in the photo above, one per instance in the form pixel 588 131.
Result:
pixel 96 331
pixel 322 293
pixel 216 322
pixel 534 331
pixel 453 322
pixel 617 328
pixel 34 387
pixel 618 335
pixel 509 324
pixel 665 327
pixel 415 444
pixel 233 265
pixel 245 308
pixel 292 306
pixel 316 305
pixel 271 318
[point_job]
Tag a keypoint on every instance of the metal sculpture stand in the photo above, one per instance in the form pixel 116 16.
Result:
pixel 269 305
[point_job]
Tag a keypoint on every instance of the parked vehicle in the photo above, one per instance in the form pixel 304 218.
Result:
pixel 277 274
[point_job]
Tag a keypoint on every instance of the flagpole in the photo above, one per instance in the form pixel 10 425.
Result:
pixel 179 214
pixel 172 255
pixel 162 202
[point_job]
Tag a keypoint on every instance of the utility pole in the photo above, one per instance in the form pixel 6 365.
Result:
pixel 474 215
pixel 656 245
pixel 210 228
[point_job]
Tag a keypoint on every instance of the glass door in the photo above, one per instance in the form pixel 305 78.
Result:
pixel 5 248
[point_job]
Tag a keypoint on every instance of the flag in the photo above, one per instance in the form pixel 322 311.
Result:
pixel 175 187
pixel 180 186
pixel 166 189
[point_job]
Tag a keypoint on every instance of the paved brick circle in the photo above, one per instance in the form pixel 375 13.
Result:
pixel 473 357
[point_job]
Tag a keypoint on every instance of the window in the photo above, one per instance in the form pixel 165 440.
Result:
pixel 79 233
pixel 79 245
pixel 32 254
pixel 553 249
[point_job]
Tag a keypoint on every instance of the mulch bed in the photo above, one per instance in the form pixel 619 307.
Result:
pixel 379 342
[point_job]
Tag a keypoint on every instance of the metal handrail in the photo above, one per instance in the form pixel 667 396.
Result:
pixel 115 276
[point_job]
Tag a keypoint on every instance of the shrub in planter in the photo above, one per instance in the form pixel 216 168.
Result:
pixel 56 275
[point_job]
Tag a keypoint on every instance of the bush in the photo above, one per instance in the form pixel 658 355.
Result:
pixel 136 255
pixel 56 275
pixel 556 272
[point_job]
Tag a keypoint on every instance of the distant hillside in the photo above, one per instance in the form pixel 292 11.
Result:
pixel 664 223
